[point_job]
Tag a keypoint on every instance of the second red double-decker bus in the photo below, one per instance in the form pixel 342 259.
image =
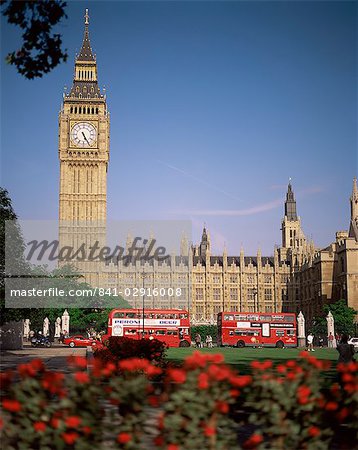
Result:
pixel 257 329
pixel 167 325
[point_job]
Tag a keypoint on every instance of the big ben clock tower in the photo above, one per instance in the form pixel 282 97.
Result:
pixel 84 155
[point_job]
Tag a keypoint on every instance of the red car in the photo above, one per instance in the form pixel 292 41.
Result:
pixel 79 341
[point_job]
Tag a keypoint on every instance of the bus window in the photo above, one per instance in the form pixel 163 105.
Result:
pixel 160 332
pixel 130 315
pixel 228 317
pixel 118 315
pixel 289 319
pixel 172 332
pixel 280 333
pixel 231 333
pixel 291 332
pixel 130 332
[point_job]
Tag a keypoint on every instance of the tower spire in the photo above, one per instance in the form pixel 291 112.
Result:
pixel 353 229
pixel 86 54
pixel 290 203
pixel 85 82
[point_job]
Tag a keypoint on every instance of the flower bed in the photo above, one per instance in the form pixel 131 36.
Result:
pixel 192 405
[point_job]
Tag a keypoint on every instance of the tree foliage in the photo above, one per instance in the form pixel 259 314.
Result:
pixel 41 49
pixel 343 318
pixel 204 330
pixel 85 312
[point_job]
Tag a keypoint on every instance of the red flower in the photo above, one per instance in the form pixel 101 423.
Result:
pixel 281 368
pixel 70 438
pixel 151 371
pixel 1 423
pixel 342 414
pixel 123 438
pixel 264 365
pixel 253 441
pixel 222 407
pixel 177 375
pixel 314 431
pixel 26 370
pixel 203 381
pixel 234 393
pixel 209 431
pixel 303 393
pixel 241 380
pixel 331 406
pixel 87 430
pixel 52 382
pixel 217 358
pixel 158 441
pixel 173 447
pixel 11 405
pixel 133 364
pixel 73 421
pixel 39 426
pixel 81 377
pixel 54 422
pixel 78 361
pixel 153 400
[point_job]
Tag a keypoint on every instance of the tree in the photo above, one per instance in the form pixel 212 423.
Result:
pixel 88 310
pixel 343 318
pixel 41 49
pixel 204 330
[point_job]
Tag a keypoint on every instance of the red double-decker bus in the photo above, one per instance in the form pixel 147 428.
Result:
pixel 257 329
pixel 171 326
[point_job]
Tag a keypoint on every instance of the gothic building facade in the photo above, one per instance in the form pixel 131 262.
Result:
pixel 297 276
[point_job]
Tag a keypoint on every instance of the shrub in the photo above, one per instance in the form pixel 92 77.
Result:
pixel 196 403
pixel 192 408
pixel 117 348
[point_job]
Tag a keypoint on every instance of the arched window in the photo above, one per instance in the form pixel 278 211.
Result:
pixel 76 110
pixel 80 110
pixel 92 110
pixel 88 111
pixel 71 110
pixel 77 89
pixel 96 110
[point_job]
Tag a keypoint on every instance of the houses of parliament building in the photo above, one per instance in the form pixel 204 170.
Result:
pixel 298 277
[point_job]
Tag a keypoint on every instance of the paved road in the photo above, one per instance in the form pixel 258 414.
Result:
pixel 55 357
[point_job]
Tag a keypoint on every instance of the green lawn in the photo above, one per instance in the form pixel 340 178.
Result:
pixel 240 358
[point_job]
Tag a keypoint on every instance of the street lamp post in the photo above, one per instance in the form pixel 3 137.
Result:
pixel 143 275
pixel 255 299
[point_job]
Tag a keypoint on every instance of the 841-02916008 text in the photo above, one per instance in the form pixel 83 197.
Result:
pixel 140 292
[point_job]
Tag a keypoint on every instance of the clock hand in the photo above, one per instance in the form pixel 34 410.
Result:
pixel 85 138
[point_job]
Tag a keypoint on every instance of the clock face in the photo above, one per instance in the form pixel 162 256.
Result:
pixel 83 134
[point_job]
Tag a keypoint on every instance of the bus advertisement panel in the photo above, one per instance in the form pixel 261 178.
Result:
pixel 170 326
pixel 257 329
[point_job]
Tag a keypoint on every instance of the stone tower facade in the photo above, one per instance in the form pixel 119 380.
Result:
pixel 84 156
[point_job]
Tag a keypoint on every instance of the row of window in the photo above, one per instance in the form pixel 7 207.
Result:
pixel 83 110
pixel 267 279
pixel 133 315
pixel 251 294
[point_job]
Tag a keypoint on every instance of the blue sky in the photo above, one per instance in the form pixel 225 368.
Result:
pixel 214 105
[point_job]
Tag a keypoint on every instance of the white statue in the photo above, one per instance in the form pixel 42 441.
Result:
pixel 66 323
pixel 330 330
pixel 57 327
pixel 46 327
pixel 27 328
pixel 301 330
